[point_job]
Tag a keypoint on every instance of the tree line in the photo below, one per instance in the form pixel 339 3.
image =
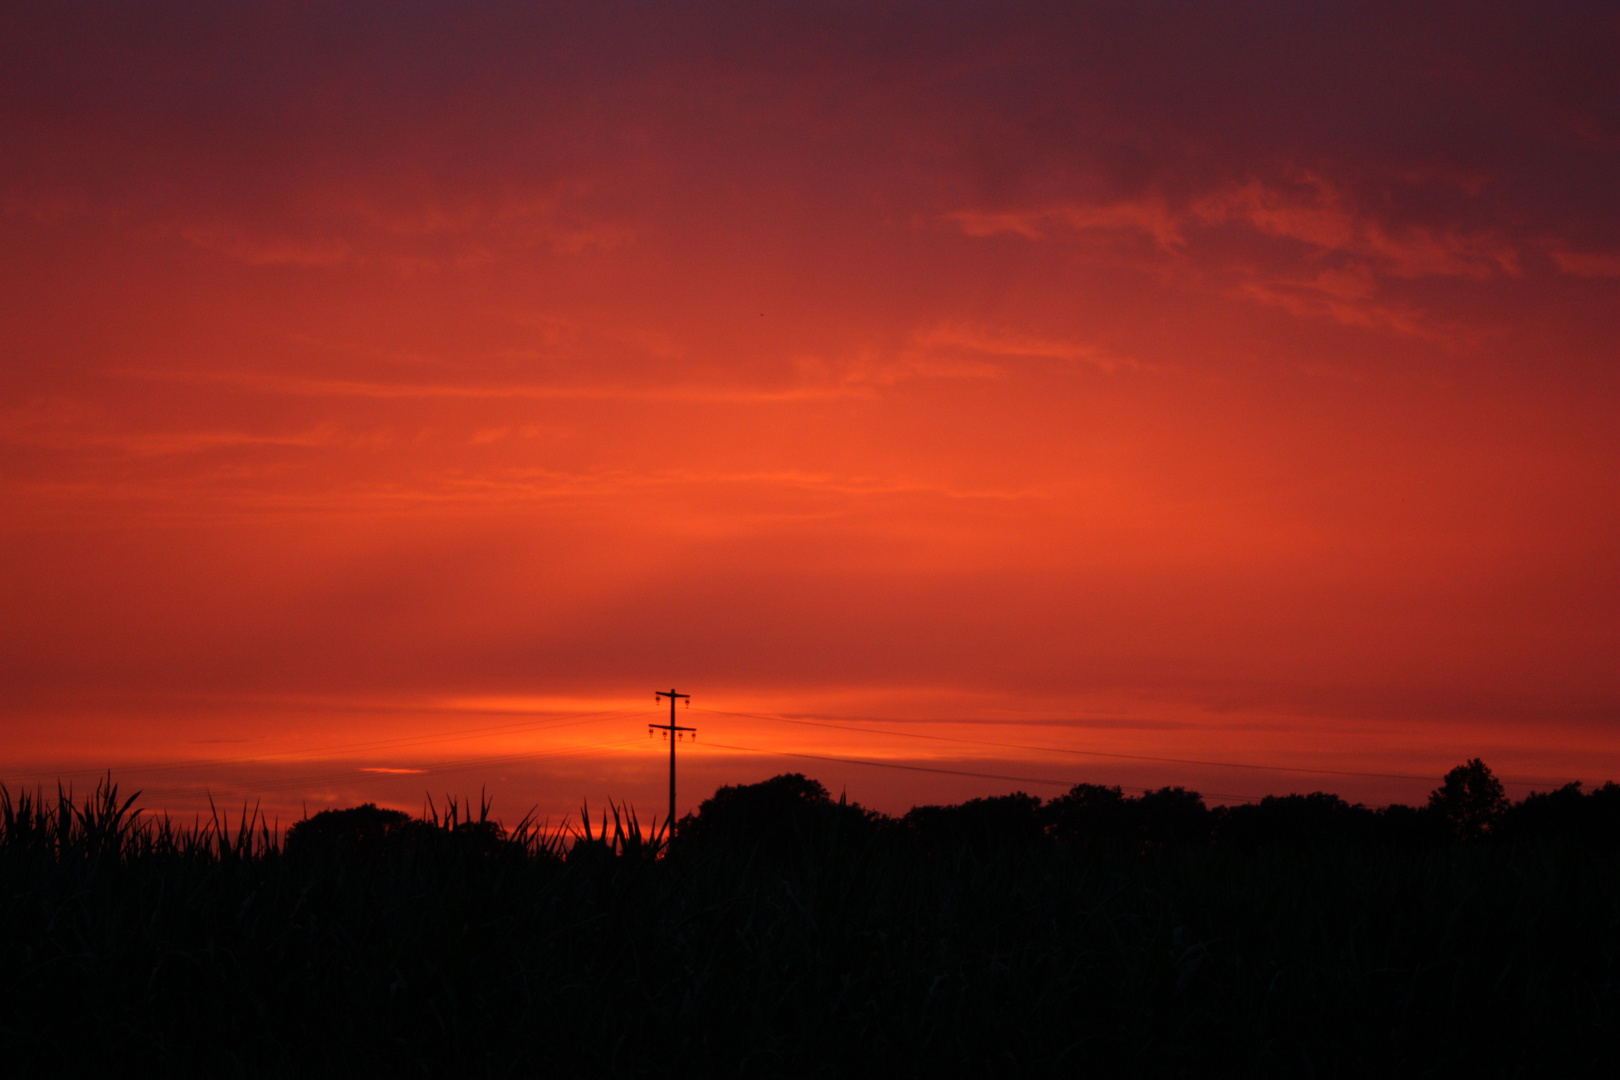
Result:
pixel 786 932
pixel 1469 804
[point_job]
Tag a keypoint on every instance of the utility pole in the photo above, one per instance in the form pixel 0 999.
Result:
pixel 672 733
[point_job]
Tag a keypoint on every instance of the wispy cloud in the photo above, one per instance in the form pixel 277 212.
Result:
pixel 1151 217
pixel 1326 217
pixel 1337 295
pixel 1590 264
pixel 269 251
pixel 68 425
pixel 306 386
pixel 959 339
pixel 1312 247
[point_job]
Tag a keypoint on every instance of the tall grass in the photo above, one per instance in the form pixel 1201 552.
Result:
pixel 212 948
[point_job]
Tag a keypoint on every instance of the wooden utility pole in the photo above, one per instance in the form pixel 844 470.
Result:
pixel 672 733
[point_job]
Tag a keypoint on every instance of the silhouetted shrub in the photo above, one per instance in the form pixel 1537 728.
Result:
pixel 773 812
pixel 356 830
pixel 368 830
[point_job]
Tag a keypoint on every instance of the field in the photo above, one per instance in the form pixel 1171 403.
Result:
pixel 820 942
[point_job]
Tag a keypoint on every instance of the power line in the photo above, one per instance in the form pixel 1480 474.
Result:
pixel 1069 750
pixel 1087 753
pixel 570 719
pixel 939 769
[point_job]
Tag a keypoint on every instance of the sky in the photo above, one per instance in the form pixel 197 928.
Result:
pixel 393 396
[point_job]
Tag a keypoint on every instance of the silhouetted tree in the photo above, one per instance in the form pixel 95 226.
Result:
pixel 1398 823
pixel 1603 806
pixel 1174 815
pixel 1566 812
pixel 1294 819
pixel 998 819
pixel 1091 812
pixel 1470 800
pixel 1561 812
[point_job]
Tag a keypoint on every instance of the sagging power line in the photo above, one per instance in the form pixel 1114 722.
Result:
pixel 864 730
pixel 672 731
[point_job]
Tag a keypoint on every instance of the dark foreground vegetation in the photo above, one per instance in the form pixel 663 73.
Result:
pixel 785 933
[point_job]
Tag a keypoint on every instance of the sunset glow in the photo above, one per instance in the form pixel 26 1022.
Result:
pixel 396 395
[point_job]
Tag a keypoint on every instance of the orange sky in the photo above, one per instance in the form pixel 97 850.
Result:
pixel 1232 386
